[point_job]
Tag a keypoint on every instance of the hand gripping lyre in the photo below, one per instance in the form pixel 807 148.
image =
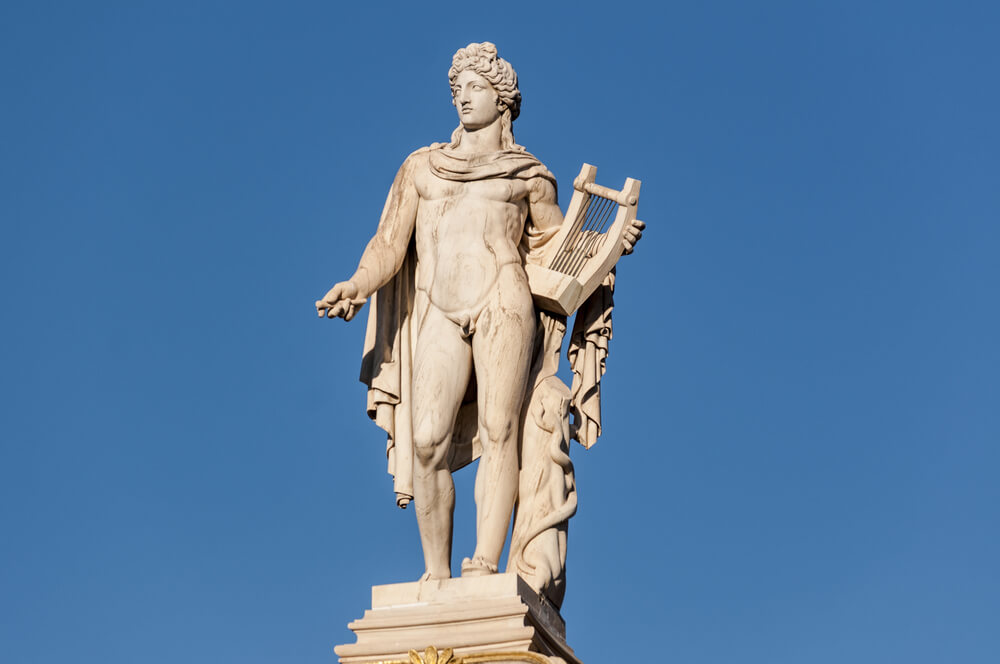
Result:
pixel 587 245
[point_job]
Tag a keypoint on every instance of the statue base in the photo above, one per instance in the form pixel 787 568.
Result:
pixel 496 618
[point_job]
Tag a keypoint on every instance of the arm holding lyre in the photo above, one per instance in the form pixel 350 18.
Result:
pixel 545 218
pixel 566 266
pixel 384 254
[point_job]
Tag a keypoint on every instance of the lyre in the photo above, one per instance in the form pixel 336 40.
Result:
pixel 587 246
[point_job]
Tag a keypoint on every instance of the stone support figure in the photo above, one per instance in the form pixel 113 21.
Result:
pixel 455 346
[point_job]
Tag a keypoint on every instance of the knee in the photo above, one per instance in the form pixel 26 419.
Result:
pixel 496 430
pixel 429 442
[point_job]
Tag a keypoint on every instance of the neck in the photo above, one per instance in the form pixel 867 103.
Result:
pixel 484 139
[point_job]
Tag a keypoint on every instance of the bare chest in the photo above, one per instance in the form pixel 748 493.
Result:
pixel 501 190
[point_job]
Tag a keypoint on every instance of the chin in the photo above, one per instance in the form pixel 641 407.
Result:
pixel 472 125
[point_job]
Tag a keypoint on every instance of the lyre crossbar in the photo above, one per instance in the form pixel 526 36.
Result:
pixel 587 246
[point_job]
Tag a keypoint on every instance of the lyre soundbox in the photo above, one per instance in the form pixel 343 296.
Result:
pixel 587 246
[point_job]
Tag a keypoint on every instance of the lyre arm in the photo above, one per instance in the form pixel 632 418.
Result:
pixel 620 197
pixel 589 243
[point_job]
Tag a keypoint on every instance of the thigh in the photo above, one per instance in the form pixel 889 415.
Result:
pixel 502 346
pixel 441 367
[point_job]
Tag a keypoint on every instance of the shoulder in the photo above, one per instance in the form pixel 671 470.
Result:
pixel 414 164
pixel 542 187
pixel 417 159
pixel 421 154
pixel 535 172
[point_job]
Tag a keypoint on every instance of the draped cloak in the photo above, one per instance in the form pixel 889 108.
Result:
pixel 397 309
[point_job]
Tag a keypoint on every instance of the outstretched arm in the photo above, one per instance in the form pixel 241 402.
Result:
pixel 384 254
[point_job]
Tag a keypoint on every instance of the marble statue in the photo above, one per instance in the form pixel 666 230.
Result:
pixel 466 326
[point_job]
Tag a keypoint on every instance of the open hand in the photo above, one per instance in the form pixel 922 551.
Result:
pixel 341 300
pixel 632 236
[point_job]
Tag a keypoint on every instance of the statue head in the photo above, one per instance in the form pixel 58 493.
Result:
pixel 482 59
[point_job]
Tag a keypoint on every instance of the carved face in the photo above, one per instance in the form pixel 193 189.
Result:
pixel 475 99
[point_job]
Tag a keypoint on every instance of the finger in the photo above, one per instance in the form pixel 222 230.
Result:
pixel 334 311
pixel 356 306
pixel 334 295
pixel 638 224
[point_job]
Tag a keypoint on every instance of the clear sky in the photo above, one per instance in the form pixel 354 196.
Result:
pixel 802 412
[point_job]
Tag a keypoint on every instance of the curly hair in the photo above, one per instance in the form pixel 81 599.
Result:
pixel 482 59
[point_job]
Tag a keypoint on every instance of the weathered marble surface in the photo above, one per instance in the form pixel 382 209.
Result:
pixel 461 355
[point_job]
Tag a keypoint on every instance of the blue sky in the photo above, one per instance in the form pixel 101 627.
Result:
pixel 800 455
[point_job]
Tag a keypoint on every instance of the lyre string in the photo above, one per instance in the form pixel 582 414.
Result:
pixel 578 238
pixel 596 236
pixel 569 243
pixel 583 240
pixel 589 243
pixel 564 249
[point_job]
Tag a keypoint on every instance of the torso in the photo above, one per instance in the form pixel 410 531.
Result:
pixel 466 234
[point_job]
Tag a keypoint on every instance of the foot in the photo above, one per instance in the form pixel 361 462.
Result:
pixel 477 566
pixel 427 576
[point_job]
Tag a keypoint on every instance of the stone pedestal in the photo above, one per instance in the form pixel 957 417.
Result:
pixel 496 618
